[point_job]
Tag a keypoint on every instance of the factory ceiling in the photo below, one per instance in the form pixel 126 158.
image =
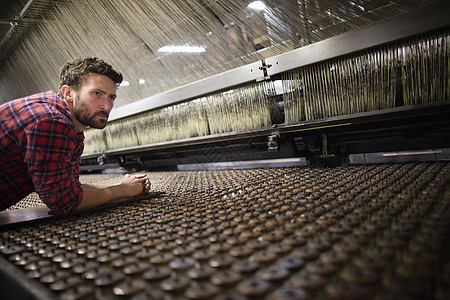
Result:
pixel 161 45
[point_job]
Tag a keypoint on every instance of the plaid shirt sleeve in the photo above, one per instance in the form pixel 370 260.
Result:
pixel 48 148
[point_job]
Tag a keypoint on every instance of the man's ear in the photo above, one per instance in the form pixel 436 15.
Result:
pixel 67 93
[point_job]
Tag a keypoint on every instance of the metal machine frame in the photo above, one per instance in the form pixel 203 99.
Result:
pixel 416 22
pixel 286 141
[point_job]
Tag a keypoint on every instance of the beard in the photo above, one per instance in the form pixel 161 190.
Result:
pixel 81 113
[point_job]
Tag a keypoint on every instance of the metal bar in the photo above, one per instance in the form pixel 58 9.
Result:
pixel 254 164
pixel 430 18
pixel 6 22
pixel 406 153
pixel 28 21
pixel 194 90
pixel 24 215
pixel 400 156
pixel 8 34
pixel 24 9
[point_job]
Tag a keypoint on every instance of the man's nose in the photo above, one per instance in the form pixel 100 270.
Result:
pixel 106 105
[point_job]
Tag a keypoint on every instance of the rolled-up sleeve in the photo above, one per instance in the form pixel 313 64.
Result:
pixel 48 148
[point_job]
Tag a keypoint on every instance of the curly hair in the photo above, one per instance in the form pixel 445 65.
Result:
pixel 73 72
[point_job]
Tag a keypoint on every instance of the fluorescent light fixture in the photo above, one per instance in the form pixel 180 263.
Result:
pixel 257 5
pixel 185 49
pixel 141 81
pixel 125 83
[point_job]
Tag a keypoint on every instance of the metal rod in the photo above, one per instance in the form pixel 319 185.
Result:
pixel 254 164
pixel 8 34
pixel 24 9
pixel 194 90
pixel 24 215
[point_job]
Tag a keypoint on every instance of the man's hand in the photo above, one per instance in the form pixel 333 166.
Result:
pixel 136 184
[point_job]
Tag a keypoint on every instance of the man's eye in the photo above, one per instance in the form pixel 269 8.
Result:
pixel 97 93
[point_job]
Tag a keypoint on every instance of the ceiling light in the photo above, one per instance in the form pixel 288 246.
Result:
pixel 358 6
pixel 257 5
pixel 141 81
pixel 125 83
pixel 188 49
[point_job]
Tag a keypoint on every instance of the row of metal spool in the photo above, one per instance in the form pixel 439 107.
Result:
pixel 297 233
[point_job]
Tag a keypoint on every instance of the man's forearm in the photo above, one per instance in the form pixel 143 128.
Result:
pixel 93 186
pixel 94 196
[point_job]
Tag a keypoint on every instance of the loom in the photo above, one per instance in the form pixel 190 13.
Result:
pixel 318 171
pixel 357 97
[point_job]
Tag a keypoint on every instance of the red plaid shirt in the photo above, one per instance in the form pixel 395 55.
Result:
pixel 40 151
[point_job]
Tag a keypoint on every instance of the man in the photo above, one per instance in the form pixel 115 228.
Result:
pixel 41 141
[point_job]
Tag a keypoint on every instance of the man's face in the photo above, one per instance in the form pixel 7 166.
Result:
pixel 94 100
